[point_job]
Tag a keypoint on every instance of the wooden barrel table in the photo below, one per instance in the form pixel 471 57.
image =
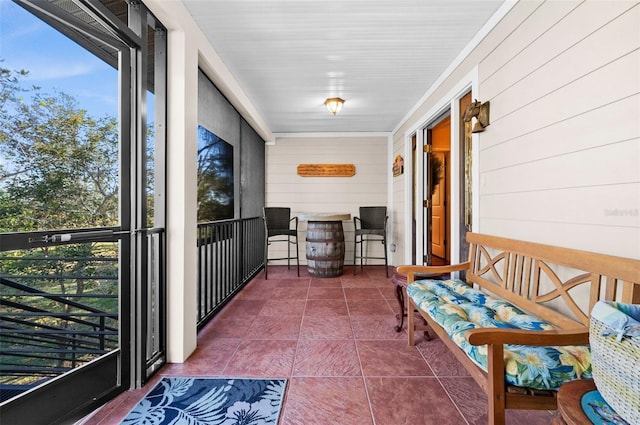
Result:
pixel 325 243
pixel 325 248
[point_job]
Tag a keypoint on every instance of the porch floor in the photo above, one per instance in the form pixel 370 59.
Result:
pixel 334 340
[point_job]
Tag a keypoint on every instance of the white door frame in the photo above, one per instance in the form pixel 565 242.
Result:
pixel 448 102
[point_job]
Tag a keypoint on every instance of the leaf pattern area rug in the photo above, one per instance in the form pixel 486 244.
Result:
pixel 215 401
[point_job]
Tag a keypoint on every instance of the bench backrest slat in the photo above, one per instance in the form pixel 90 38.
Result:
pixel 529 274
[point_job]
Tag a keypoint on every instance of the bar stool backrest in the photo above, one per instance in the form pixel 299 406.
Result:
pixel 373 218
pixel 277 221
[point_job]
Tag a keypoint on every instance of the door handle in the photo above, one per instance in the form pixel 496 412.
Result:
pixel 73 236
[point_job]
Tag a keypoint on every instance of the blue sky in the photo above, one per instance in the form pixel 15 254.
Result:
pixel 54 62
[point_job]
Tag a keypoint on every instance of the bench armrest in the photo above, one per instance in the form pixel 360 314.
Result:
pixel 494 336
pixel 411 270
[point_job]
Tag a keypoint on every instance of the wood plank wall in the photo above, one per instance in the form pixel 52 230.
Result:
pixel 368 187
pixel 560 162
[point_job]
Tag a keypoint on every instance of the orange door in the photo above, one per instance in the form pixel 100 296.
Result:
pixel 439 212
pixel 441 145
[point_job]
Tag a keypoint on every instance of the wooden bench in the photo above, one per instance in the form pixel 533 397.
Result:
pixel 559 285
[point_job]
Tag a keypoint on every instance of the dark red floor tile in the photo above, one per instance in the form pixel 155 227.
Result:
pixel 411 401
pixel 326 401
pixel 391 358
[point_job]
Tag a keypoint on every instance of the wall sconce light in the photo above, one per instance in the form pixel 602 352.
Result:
pixel 479 111
pixel 334 104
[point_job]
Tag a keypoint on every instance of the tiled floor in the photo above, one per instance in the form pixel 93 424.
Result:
pixel 333 339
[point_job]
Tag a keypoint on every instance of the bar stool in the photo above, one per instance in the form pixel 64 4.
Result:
pixel 277 228
pixel 370 226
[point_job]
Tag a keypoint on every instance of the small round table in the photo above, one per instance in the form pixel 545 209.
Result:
pixel 572 398
pixel 570 402
pixel 399 280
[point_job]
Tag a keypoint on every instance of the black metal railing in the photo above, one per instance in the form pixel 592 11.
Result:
pixel 46 328
pixel 230 253
pixel 154 299
pixel 59 312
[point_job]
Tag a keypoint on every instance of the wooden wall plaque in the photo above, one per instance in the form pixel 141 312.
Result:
pixel 326 170
pixel 398 166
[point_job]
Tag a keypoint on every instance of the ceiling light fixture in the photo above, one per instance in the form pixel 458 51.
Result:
pixel 334 104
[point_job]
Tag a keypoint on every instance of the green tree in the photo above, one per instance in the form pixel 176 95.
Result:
pixel 60 164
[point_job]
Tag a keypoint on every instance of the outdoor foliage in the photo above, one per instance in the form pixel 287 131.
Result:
pixel 60 166
pixel 215 177
pixel 58 170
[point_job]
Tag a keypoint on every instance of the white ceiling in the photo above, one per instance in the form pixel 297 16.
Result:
pixel 381 56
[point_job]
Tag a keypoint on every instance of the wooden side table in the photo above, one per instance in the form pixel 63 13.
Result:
pixel 399 280
pixel 570 402
pixel 570 409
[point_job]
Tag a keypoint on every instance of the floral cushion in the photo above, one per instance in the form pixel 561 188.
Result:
pixel 458 307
